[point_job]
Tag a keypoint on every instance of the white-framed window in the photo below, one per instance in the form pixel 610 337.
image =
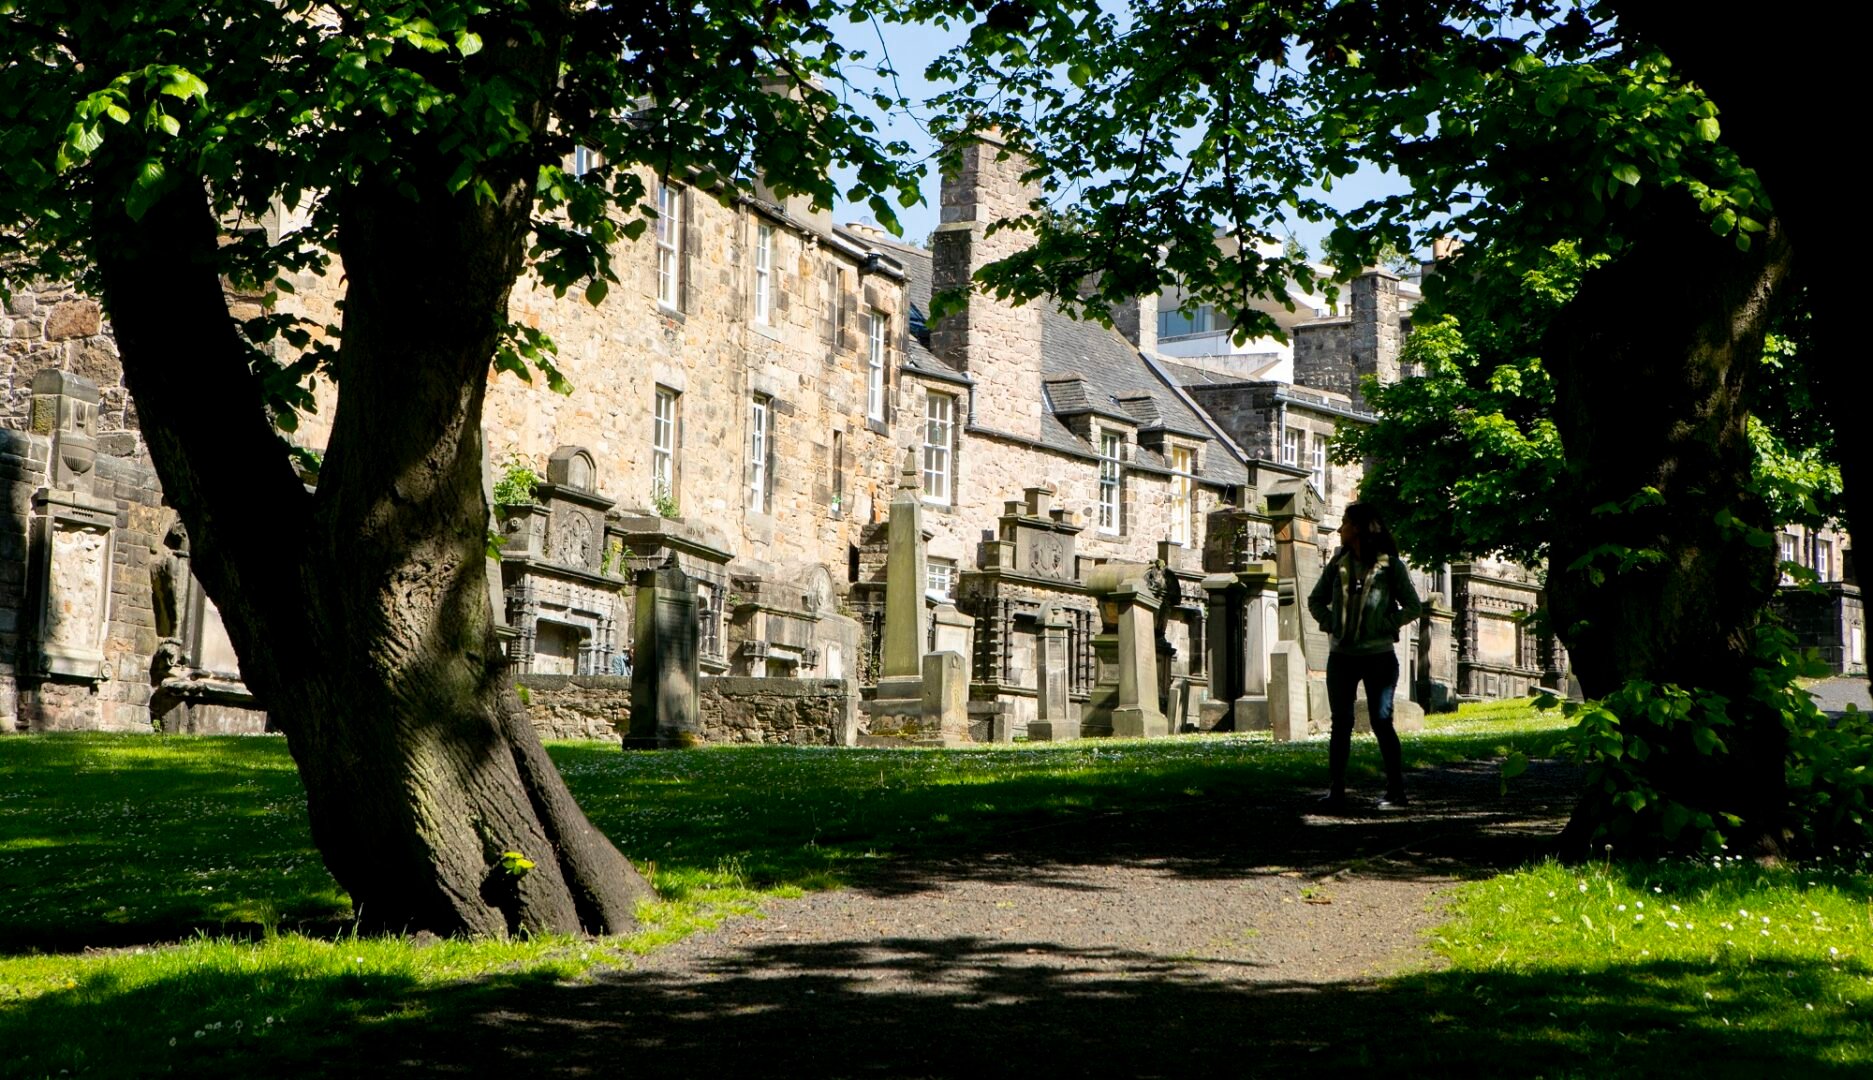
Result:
pixel 663 445
pixel 1291 446
pixel 1824 559
pixel 760 436
pixel 940 579
pixel 669 245
pixel 1786 545
pixel 875 327
pixel 939 433
pixel 1109 481
pixel 1318 462
pixel 584 160
pixel 763 272
pixel 1183 496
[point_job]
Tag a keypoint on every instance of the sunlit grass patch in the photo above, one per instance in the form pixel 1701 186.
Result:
pixel 1773 964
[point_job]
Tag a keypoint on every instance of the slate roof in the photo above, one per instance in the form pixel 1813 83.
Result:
pixel 1109 366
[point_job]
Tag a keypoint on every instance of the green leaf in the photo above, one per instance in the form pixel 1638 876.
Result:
pixel 1707 129
pixel 595 291
pixel 1626 173
pixel 183 84
pixel 468 44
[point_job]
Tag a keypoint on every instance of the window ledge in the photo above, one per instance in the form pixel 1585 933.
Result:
pixel 876 426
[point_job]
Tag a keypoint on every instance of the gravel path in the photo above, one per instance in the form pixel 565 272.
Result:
pixel 1223 941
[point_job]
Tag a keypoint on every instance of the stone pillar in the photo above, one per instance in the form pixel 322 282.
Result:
pixel 897 705
pixel 74 533
pixel 907 573
pixel 1053 704
pixel 1136 713
pixel 666 677
pixel 1125 697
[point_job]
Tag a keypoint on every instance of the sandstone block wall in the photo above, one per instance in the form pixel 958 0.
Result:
pixel 800 712
pixel 51 326
pixel 718 358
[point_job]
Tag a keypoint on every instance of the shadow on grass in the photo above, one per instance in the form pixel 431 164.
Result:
pixel 966 1006
pixel 1216 810
pixel 112 841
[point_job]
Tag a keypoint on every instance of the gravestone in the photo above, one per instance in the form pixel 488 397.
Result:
pixel 945 699
pixel 1287 692
pixel 74 535
pixel 666 679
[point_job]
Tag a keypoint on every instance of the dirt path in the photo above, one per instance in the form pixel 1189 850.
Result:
pixel 1226 940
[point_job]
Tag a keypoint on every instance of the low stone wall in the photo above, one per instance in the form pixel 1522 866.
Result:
pixel 800 712
pixel 577 706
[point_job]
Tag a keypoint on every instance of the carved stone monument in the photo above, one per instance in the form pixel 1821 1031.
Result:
pixel 194 674
pixel 1244 592
pixel 1055 720
pixel 73 536
pixel 1125 699
pixel 666 681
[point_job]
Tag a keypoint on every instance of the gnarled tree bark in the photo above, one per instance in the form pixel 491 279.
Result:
pixel 360 611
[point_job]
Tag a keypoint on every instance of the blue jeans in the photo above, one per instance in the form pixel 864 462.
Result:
pixel 1379 671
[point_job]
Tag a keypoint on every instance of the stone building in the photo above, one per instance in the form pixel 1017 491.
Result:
pixel 1106 535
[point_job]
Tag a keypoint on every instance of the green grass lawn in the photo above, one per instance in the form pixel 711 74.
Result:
pixel 217 944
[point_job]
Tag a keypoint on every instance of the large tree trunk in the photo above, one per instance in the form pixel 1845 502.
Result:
pixel 360 612
pixel 1793 165
pixel 1650 360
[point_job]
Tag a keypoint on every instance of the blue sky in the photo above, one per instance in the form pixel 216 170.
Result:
pixel 911 49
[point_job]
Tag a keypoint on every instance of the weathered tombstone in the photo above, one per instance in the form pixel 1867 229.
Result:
pixel 666 678
pixel 945 699
pixel 1125 700
pixel 74 535
pixel 952 631
pixel 1287 692
pixel 1053 721
pixel 897 705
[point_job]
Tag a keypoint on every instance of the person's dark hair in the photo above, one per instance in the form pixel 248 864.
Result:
pixel 1375 537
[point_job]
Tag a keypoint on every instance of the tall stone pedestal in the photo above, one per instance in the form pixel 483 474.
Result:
pixel 666 677
pixel 1125 699
pixel 1055 718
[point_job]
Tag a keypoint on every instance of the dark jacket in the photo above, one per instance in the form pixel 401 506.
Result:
pixel 1387 601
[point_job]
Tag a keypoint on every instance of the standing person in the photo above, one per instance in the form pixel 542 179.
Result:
pixel 1362 599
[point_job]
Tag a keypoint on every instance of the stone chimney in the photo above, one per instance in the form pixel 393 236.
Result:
pixel 1375 332
pixel 993 341
pixel 1137 319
